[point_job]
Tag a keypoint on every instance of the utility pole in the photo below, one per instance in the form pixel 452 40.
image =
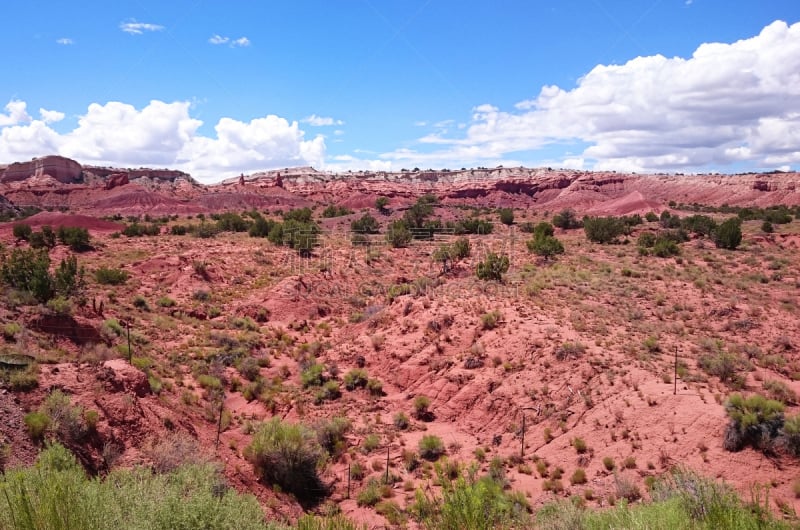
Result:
pixel 219 423
pixel 675 377
pixel 522 448
pixel 387 466
pixel 130 351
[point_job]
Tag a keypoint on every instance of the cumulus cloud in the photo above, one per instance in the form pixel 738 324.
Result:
pixel 65 41
pixel 241 42
pixel 137 28
pixel 321 121
pixel 17 113
pixel 726 103
pixel 218 39
pixel 160 134
pixel 51 116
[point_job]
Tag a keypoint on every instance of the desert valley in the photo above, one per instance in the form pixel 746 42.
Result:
pixel 452 348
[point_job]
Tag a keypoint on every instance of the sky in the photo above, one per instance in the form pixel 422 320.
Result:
pixel 222 88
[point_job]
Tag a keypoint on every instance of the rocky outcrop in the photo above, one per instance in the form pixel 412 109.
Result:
pixel 64 170
pixel 116 179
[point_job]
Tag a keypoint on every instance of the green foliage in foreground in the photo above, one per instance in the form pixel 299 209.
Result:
pixel 57 494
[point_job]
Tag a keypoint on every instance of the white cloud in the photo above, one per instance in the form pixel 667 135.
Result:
pixel 51 116
pixel 727 103
pixel 321 121
pixel 17 113
pixel 137 28
pixel 65 41
pixel 343 163
pixel 241 42
pixel 162 135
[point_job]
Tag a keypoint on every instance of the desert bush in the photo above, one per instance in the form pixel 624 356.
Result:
pixel 370 495
pixel 790 435
pixel 545 246
pixel 725 365
pixel 780 391
pixel 56 493
pixel 493 267
pixel 110 276
pixel 664 248
pixel 578 477
pixel 506 216
pixel 22 231
pixel 398 235
pixel 570 350
pixel 355 378
pixel 76 238
pixel 431 447
pixel 755 421
pixel 608 463
pixel 422 407
pixel 171 451
pixel 29 270
pixel 401 421
pixel 249 368
pixel 567 219
pixel 365 225
pixel 489 320
pixel 375 387
pixel 603 229
pixel 370 443
pixel 701 225
pixel 37 424
pixel 470 504
pixel 288 454
pixel 312 376
pixel 580 445
pixel 728 235
pixel 330 434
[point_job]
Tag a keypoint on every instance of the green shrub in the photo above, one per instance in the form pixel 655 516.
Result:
pixel 140 302
pixel 664 248
pixel 493 267
pixel 355 378
pixel 725 365
pixel 566 220
pixel 421 407
pixel 312 376
pixel 578 477
pixel 165 301
pixel 110 276
pixel 381 203
pixel 365 225
pixel 431 447
pixel 780 391
pixel 580 445
pixel 29 270
pixel 330 434
pixel 375 387
pixel 489 320
pixel 506 216
pixel 11 330
pixel 76 238
pixel 37 424
pixel 460 248
pixel 790 435
pixel 755 421
pixel 728 235
pixel 470 504
pixel 608 463
pixel 287 454
pixel 22 231
pixel 370 443
pixel 398 235
pixel 370 495
pixel 545 246
pixel 401 421
pixel 603 229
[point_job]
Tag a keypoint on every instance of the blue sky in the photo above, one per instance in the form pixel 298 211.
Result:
pixel 219 88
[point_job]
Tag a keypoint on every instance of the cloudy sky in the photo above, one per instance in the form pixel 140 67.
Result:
pixel 220 88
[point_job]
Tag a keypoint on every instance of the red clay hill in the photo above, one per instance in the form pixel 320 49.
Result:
pixel 54 182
